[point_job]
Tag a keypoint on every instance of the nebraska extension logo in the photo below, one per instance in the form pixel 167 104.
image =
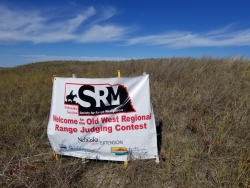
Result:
pixel 96 99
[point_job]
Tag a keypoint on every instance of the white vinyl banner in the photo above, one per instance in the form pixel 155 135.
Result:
pixel 103 118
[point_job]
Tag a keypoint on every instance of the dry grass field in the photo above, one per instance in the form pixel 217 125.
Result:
pixel 204 105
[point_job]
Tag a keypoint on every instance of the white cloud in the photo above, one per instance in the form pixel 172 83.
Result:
pixel 98 33
pixel 36 58
pixel 178 39
pixel 10 20
pixel 35 27
pixel 91 25
pixel 107 12
pixel 73 23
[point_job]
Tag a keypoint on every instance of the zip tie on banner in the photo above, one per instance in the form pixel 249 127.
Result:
pixel 53 77
pixel 56 156
pixel 119 73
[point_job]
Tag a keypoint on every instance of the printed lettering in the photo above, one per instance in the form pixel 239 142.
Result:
pixel 65 129
pixel 130 127
pixel 59 119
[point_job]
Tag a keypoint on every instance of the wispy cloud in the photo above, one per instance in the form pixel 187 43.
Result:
pixel 11 21
pixel 179 39
pixel 36 58
pixel 36 27
pixel 106 13
pixel 98 33
pixel 93 26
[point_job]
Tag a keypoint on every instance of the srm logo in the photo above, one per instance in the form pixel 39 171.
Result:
pixel 101 98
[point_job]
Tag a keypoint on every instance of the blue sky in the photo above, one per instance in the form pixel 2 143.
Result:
pixel 42 30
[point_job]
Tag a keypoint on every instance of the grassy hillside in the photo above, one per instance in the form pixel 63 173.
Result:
pixel 204 105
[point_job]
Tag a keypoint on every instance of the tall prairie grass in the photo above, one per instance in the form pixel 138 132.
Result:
pixel 204 105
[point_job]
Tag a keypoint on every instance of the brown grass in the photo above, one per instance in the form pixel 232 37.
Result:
pixel 204 105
